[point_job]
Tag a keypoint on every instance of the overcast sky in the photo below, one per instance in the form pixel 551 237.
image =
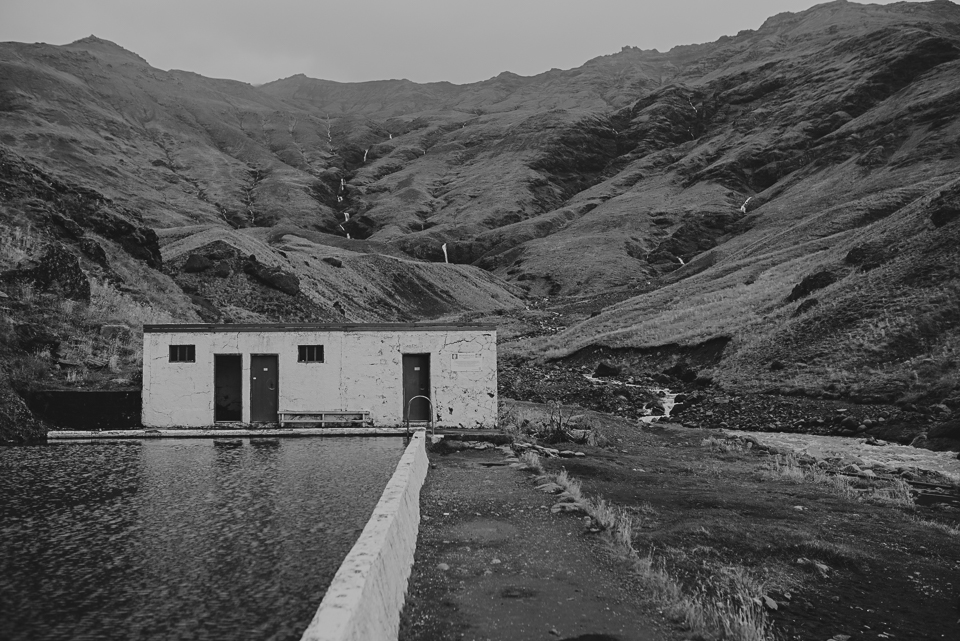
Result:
pixel 353 40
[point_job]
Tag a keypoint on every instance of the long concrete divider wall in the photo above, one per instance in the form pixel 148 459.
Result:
pixel 364 600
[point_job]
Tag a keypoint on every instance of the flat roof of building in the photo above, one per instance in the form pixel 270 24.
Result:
pixel 171 328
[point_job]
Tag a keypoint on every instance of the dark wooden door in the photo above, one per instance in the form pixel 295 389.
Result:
pixel 228 387
pixel 264 394
pixel 416 382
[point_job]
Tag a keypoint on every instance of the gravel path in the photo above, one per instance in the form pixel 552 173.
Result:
pixel 493 563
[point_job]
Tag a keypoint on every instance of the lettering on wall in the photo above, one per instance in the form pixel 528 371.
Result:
pixel 465 362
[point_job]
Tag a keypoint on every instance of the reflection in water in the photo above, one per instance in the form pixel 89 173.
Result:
pixel 180 539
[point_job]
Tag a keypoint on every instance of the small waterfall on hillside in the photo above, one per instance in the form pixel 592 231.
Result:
pixel 668 402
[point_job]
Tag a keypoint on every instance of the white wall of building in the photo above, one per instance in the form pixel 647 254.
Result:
pixel 362 370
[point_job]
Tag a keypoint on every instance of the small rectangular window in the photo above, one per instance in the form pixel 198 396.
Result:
pixel 183 353
pixel 310 354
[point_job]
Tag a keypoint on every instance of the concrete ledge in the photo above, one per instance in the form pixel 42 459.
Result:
pixel 213 433
pixel 368 591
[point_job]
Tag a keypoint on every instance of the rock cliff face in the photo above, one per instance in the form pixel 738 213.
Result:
pixel 709 180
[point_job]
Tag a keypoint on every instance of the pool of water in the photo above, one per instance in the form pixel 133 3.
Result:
pixel 180 538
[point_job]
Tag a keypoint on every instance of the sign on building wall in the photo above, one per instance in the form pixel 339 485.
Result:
pixel 465 362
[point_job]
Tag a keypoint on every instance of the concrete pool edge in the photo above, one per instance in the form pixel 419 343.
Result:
pixel 69 435
pixel 368 591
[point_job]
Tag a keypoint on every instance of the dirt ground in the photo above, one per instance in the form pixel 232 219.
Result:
pixel 829 564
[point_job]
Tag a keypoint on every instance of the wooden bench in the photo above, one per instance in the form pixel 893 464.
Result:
pixel 340 418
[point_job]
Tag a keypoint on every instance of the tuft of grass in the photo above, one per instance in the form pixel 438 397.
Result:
pixel 833 554
pixel 896 492
pixel 531 461
pixel 17 245
pixel 940 527
pixel 598 437
pixel 570 485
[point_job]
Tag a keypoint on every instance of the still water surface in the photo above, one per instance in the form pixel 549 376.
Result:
pixel 182 538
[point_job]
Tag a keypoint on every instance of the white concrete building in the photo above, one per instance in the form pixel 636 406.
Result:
pixel 197 375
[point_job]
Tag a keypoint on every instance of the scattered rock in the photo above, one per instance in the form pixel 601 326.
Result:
pixel 606 368
pixel 550 488
pixel 849 423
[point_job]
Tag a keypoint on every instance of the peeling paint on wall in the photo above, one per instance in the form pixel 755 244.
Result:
pixel 362 370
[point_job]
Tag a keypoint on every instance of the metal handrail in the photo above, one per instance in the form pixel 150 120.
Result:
pixel 430 415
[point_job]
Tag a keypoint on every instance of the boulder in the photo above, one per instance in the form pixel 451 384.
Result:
pixel 197 263
pixel 207 310
pixel 73 229
pixel 945 208
pixel 811 284
pixel 140 242
pixel 93 250
pixel 336 262
pixel 223 269
pixel 606 368
pixel 274 277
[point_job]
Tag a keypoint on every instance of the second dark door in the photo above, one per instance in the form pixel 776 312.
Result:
pixel 264 384
pixel 416 382
pixel 228 403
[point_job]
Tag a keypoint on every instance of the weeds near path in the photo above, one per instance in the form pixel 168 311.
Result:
pixel 727 606
pixel 531 461
pixel 941 527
